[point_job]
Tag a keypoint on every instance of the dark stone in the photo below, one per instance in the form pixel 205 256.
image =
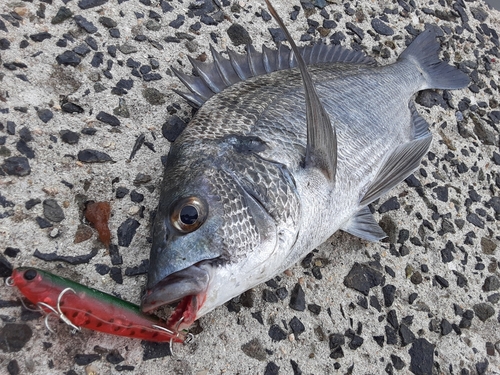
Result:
pixel 141 179
pixel 281 293
pixel 69 137
pixel 355 29
pixel 277 34
pixel 391 335
pixel 45 115
pixel 62 15
pixel 389 292
pixel 442 281
pixel 446 253
pixel 475 220
pixel 121 191
pixel 13 367
pixel 24 149
pixel 276 333
pixel 81 50
pixel 379 340
pixel 25 134
pixel 238 35
pixel 43 223
pixel 446 327
pixel 479 14
pixel 74 260
pixel 422 357
pixel 52 211
pixel 85 24
pixel 254 349
pixel 126 232
pixel 483 311
pixel 86 359
pixel 5 267
pixel 141 269
pixel 381 27
pixel 296 326
pixel 68 58
pixel 407 336
pixel 154 350
pixel 40 37
pixel 269 296
pixel 441 193
pixel 315 309
pixel 178 22
pixel 356 342
pixel 271 369
pixel 93 156
pixel 4 44
pixel 173 128
pixel 87 4
pixel 13 337
pixel 16 166
pixel 120 368
pixel 69 107
pixel 362 278
pixel 11 252
pixel 136 197
pixel 108 119
pixel 482 367
pixel 102 269
pixel 491 283
pixel 390 205
pixel 297 298
pixel 116 275
pixel 397 362
pixel 430 99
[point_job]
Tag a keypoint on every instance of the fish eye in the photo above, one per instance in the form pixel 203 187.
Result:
pixel 30 274
pixel 188 214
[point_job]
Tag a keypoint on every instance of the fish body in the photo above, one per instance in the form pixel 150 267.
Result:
pixel 248 188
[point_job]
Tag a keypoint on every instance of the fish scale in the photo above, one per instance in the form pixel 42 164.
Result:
pixel 285 150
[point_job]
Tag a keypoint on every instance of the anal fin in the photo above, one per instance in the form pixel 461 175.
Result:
pixel 364 226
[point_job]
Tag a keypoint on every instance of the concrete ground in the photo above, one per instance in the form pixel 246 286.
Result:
pixel 95 74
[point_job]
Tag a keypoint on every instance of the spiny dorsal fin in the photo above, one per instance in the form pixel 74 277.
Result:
pixel 363 225
pixel 321 150
pixel 227 72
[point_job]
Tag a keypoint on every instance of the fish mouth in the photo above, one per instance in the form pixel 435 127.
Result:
pixel 188 287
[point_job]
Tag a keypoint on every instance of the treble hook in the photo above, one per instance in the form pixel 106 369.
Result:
pixel 61 315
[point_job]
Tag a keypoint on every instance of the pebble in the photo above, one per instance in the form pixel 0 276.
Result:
pixel 62 15
pixel 43 223
pixel 297 298
pixel 40 37
pixel 390 205
pixel 11 252
pixel 238 35
pixel 93 156
pixel 178 22
pixel 13 337
pixel 422 357
pixel 254 349
pixel 488 246
pixel 86 359
pixel 5 267
pixel 407 336
pixel 73 260
pixel 108 119
pixel 126 232
pixel 116 275
pixel 269 296
pixel 154 350
pixel 121 191
pixel 173 128
pixel 85 24
pixel 127 48
pixel 276 333
pixel 16 166
pixel 362 278
pixel 82 234
pixel 24 149
pixel 483 311
pixel 272 369
pixel 13 367
pixel 52 211
pixel 475 220
pixel 381 27
pixel 87 4
pixel 281 293
pixel 69 137
pixel 296 326
pixel 491 283
pixel 141 269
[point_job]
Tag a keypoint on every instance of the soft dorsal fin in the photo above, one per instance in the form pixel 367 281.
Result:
pixel 402 161
pixel 364 226
pixel 321 150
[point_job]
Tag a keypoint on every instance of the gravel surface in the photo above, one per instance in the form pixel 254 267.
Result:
pixel 86 114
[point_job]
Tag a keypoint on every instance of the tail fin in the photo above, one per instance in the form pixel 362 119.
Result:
pixel 423 52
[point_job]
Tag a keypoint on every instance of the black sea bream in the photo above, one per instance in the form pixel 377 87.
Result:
pixel 282 153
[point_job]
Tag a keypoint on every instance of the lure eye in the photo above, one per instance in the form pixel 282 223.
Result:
pixel 188 214
pixel 30 274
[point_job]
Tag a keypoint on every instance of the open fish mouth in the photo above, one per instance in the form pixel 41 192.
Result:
pixel 188 287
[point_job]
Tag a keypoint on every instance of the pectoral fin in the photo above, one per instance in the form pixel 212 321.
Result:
pixel 364 226
pixel 321 151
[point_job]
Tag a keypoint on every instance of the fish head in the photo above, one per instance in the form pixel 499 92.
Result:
pixel 206 225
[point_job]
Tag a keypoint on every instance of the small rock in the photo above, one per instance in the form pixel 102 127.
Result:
pixel 86 359
pixel 422 357
pixel 254 349
pixel 491 283
pixel 52 211
pixel 272 369
pixel 40 37
pixel 43 223
pixel 114 357
pixel 238 35
pixel 13 337
pixel 154 350
pixel 488 246
pixel 269 296
pixel 126 232
pixel 45 115
pixel 389 292
pixel 13 368
pixel 83 233
pixel 484 311
pixel 297 298
pixel 85 24
pixel 93 156
pixel 173 128
pixel 381 27
pixel 62 15
pixel 276 333
pixel 87 4
pixel 69 137
pixel 127 49
pixel 153 96
pixel 296 326
pixel 68 58
pixel 362 278
pixel 108 119
pixel 16 166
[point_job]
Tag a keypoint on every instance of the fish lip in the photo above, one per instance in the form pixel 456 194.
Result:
pixel 189 282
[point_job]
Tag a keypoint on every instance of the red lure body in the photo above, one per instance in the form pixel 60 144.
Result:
pixel 90 308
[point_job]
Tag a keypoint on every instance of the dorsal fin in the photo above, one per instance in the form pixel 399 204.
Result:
pixel 227 72
pixel 321 149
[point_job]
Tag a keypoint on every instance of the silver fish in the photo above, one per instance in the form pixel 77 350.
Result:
pixel 287 147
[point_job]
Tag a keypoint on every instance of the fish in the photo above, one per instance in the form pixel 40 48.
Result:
pixel 80 306
pixel 287 147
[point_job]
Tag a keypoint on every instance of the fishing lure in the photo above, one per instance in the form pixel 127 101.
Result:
pixel 80 306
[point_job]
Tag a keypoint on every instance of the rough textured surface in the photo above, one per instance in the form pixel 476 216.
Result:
pixel 81 83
